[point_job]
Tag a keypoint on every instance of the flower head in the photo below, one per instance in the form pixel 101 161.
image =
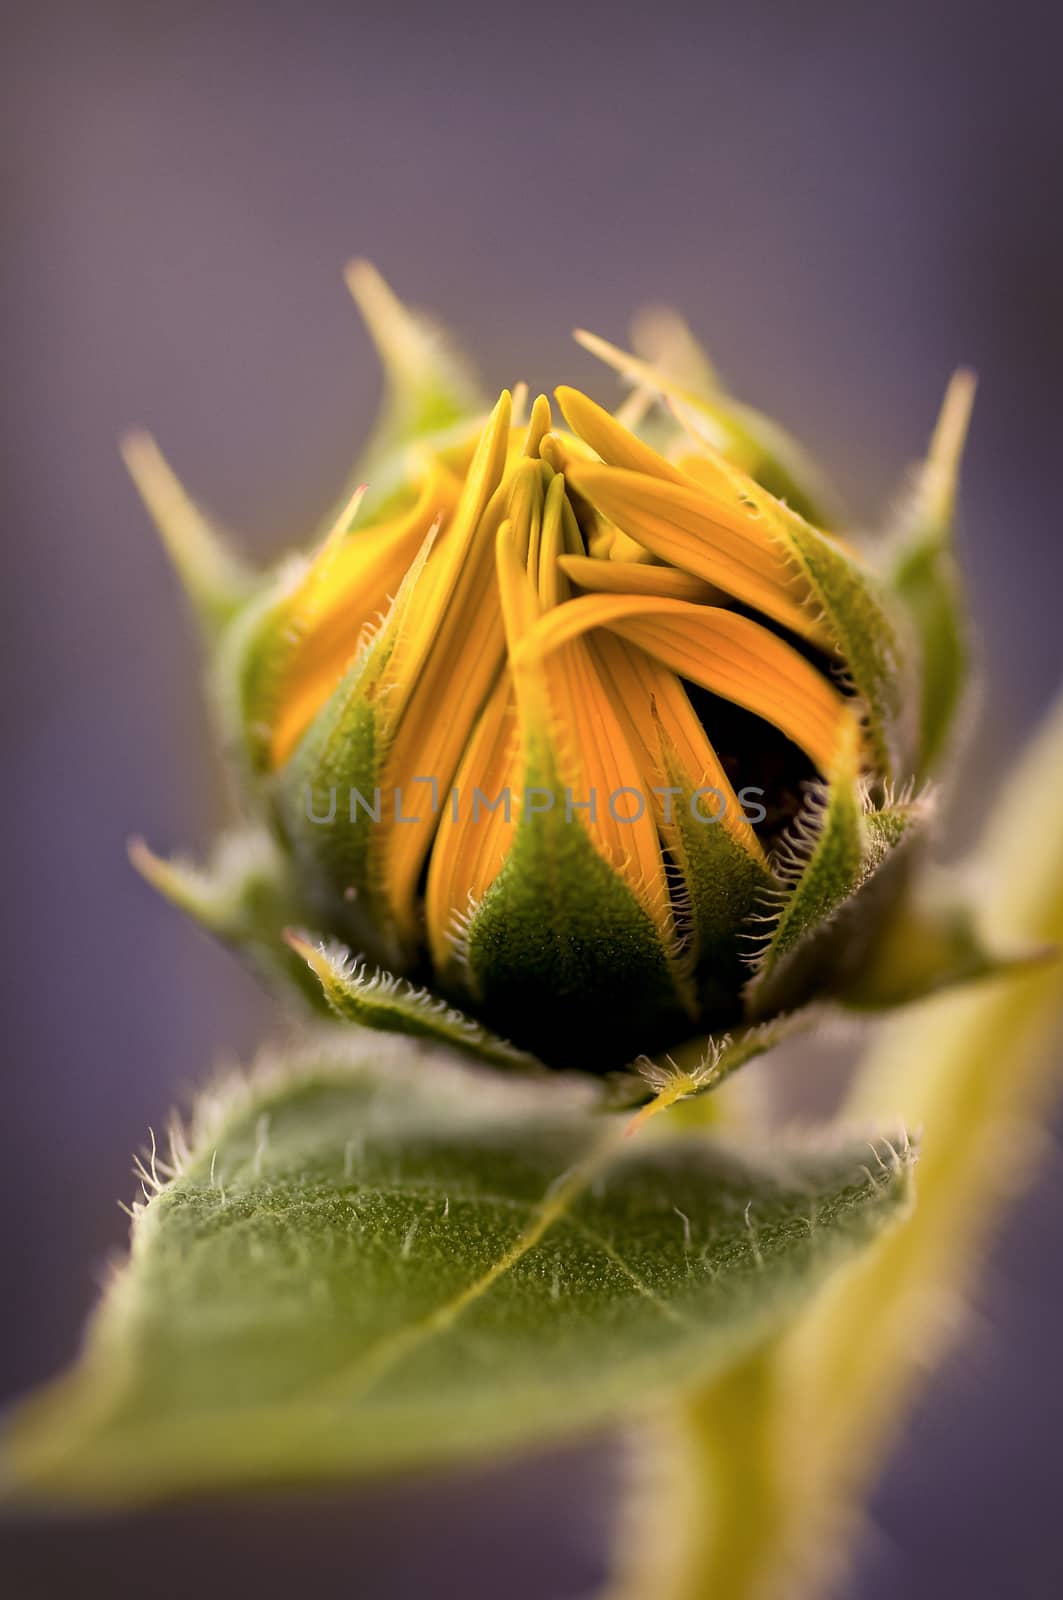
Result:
pixel 594 736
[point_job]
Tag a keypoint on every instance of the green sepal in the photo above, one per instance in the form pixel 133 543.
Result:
pixel 561 956
pixel 855 612
pixel 833 894
pixel 245 897
pixel 243 615
pixel 366 1259
pixel 675 366
pixel 762 448
pixel 216 581
pixel 375 999
pixel 925 948
pixel 925 576
pixel 429 388
pixel 702 1064
pixel 723 884
pixel 745 1044
pixel 852 604
pixel 337 758
pixel 244 674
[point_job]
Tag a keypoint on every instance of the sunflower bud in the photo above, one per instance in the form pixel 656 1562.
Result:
pixel 599 742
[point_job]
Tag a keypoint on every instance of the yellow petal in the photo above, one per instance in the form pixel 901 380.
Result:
pixel 550 569
pixel 664 723
pixel 350 584
pixel 571 727
pixel 723 536
pixel 603 539
pixel 416 625
pixel 727 654
pixel 538 424
pixel 637 577
pixel 450 653
pixel 612 441
pixel 475 832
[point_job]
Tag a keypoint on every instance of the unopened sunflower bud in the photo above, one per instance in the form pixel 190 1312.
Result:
pixel 596 742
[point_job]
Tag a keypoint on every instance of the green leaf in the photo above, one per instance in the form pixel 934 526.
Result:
pixel 370 1259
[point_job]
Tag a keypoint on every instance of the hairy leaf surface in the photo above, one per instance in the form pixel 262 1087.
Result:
pixel 372 1259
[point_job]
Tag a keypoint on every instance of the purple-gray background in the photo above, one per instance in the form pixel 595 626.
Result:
pixel 846 200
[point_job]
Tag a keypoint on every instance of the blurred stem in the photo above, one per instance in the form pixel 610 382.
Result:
pixel 757 1480
pixel 703 1492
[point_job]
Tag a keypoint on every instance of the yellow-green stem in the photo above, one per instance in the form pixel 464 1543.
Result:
pixel 691 1519
pixel 760 1476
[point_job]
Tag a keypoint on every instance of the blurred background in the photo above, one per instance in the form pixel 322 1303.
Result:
pixel 847 201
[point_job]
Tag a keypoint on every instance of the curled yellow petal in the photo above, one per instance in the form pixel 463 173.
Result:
pixel 727 654
pixel 720 535
pixel 612 441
